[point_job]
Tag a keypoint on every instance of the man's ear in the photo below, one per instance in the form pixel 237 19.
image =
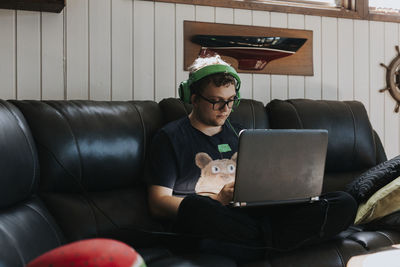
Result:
pixel 234 157
pixel 202 159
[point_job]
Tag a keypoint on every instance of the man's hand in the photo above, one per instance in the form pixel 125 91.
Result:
pixel 226 194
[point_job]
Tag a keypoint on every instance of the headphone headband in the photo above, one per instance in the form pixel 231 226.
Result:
pixel 213 69
pixel 184 88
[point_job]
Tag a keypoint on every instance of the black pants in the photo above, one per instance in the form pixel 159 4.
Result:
pixel 282 227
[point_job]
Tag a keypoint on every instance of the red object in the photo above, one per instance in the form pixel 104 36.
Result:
pixel 90 253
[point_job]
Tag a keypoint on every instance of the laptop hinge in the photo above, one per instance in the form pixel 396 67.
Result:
pixel 313 199
pixel 239 204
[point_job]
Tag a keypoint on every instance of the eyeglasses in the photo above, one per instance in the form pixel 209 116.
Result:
pixel 219 105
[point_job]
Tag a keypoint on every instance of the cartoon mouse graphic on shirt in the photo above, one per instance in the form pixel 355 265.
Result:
pixel 214 173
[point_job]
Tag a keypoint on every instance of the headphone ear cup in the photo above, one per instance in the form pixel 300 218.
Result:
pixel 184 92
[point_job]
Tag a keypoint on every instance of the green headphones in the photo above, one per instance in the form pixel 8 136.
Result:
pixel 184 88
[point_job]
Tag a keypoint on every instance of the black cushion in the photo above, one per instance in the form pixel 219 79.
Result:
pixel 92 156
pixel 364 186
pixel 26 231
pixel 388 222
pixel 89 142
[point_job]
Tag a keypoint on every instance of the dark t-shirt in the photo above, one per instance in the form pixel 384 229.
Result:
pixel 181 154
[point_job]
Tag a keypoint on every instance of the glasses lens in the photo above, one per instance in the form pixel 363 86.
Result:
pixel 221 104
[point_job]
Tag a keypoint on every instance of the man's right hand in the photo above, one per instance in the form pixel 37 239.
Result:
pixel 226 194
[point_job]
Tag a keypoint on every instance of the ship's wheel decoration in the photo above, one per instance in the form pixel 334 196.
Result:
pixel 393 79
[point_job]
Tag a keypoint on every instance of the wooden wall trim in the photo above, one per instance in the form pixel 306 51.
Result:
pixel 256 5
pixel 383 17
pixel 361 12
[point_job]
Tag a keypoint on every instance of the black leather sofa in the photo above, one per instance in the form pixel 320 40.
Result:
pixel 73 170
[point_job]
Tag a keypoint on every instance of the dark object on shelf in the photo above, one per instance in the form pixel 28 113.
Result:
pixel 252 53
pixel 34 5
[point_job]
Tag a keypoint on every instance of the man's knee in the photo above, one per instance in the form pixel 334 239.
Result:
pixel 197 203
pixel 342 209
pixel 341 200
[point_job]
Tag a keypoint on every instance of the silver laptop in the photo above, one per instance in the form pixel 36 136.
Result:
pixel 279 166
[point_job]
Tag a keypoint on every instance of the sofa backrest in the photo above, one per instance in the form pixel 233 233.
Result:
pixel 92 155
pixel 26 228
pixel 353 146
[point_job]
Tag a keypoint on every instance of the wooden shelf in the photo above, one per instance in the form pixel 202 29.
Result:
pixel 34 5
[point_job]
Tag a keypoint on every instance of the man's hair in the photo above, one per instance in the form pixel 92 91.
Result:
pixel 218 79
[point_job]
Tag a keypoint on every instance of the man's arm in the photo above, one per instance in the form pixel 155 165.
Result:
pixel 162 203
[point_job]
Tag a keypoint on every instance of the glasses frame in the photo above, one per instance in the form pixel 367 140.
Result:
pixel 228 103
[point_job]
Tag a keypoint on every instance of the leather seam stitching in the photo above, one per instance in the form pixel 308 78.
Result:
pixel 253 114
pixel 91 208
pixel 14 243
pixel 46 220
pixel 75 180
pixel 144 133
pixel 354 131
pixel 386 235
pixel 340 255
pixel 79 155
pixel 73 136
pixel 26 140
pixel 296 113
pixel 358 241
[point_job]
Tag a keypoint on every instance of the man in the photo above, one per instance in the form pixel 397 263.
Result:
pixel 193 161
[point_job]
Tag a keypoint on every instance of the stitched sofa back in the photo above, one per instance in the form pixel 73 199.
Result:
pixel 351 141
pixel 92 154
pixel 92 157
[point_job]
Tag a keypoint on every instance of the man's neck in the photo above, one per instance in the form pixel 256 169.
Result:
pixel 204 128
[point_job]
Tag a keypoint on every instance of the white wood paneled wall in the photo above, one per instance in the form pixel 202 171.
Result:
pixel 133 49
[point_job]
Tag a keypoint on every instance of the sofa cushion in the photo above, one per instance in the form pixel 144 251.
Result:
pixel 388 222
pixel 100 145
pixel 119 214
pixel 371 240
pixel 330 254
pixel 26 231
pixel 385 201
pixel 351 144
pixel 369 182
pixel 92 156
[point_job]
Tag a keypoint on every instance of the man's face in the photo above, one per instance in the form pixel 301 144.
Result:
pixel 204 109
